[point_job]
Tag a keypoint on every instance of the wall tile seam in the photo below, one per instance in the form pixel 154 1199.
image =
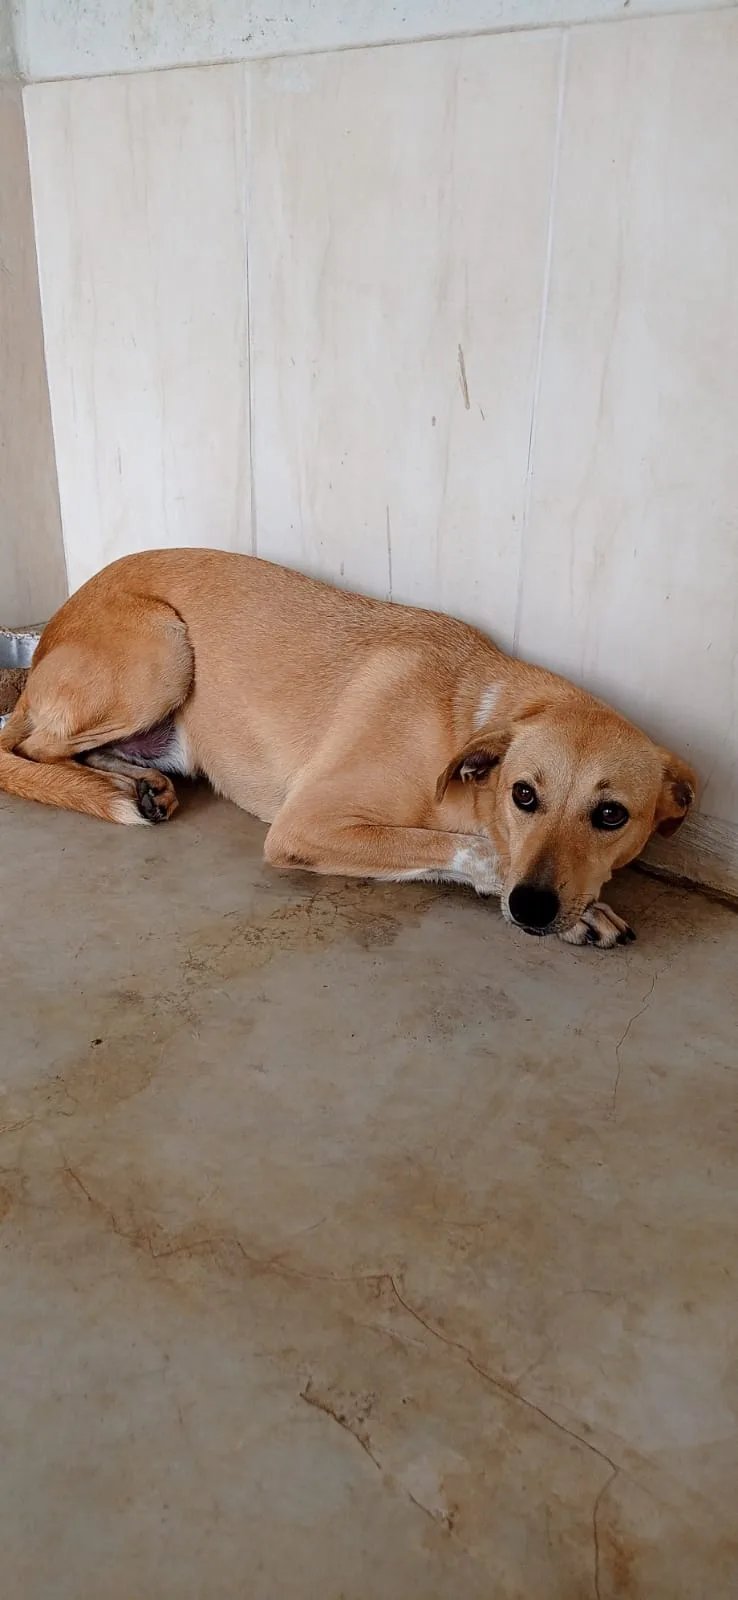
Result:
pixel 504 30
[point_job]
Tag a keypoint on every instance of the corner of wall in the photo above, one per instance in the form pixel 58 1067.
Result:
pixel 33 580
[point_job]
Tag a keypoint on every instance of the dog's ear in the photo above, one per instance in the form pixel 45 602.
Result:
pixel 676 797
pixel 478 758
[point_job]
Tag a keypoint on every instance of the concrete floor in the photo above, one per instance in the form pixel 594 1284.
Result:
pixel 353 1246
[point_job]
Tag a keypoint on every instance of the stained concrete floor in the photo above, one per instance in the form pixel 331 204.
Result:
pixel 353 1246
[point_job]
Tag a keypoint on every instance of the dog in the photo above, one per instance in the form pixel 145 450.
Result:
pixel 377 740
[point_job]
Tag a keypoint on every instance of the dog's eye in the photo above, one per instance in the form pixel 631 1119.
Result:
pixel 525 797
pixel 610 814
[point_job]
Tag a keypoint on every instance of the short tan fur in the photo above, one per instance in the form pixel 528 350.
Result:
pixel 376 740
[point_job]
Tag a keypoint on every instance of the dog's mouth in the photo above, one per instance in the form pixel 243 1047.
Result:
pixel 532 931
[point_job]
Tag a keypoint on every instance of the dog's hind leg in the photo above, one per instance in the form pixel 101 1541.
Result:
pixel 83 694
pixel 145 759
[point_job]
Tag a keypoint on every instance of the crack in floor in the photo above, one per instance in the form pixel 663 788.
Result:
pixel 142 1240
pixel 350 1425
pixel 595 1529
pixel 498 1383
pixel 353 1426
pixel 621 1041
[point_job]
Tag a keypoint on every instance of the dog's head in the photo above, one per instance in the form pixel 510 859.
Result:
pixel 568 792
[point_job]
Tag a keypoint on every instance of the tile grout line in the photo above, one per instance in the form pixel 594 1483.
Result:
pixel 545 294
pixel 305 52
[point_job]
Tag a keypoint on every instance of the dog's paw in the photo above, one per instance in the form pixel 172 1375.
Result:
pixel 601 926
pixel 155 797
pixel 148 797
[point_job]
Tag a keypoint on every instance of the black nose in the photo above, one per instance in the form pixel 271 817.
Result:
pixel 533 908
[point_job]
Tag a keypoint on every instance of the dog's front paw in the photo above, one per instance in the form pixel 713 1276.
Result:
pixel 601 926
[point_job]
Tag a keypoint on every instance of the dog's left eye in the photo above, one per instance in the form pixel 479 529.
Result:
pixel 610 814
pixel 525 797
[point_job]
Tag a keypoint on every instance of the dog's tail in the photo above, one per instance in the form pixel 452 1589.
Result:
pixel 56 783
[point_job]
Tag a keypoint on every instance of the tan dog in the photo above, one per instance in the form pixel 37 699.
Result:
pixel 378 741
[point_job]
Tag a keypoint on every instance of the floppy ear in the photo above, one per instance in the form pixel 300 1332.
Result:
pixel 474 763
pixel 677 795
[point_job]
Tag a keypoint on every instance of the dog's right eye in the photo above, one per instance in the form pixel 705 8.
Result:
pixel 525 797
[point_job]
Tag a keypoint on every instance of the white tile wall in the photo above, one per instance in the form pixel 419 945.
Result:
pixel 8 63
pixel 139 196
pixel 494 333
pixel 74 38
pixel 32 576
pixel 631 558
pixel 397 238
